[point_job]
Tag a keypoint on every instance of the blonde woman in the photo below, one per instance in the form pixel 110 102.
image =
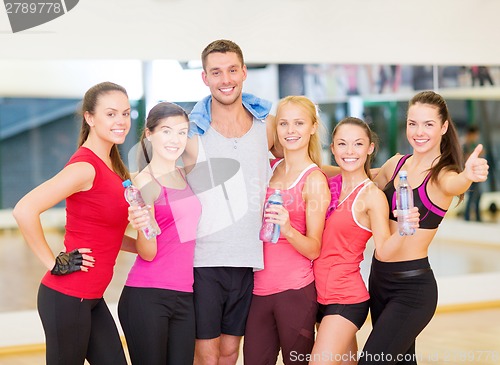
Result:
pixel 283 310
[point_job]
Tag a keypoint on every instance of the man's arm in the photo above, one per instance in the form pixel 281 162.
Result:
pixel 272 141
pixel 190 154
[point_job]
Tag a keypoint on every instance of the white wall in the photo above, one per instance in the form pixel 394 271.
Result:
pixel 281 31
pixel 66 78
pixel 106 39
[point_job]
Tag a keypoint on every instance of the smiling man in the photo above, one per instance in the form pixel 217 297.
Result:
pixel 231 135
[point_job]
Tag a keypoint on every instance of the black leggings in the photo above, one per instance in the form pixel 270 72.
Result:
pixel 77 329
pixel 403 299
pixel 159 325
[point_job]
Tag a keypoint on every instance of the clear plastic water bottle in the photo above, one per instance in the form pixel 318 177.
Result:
pixel 404 201
pixel 134 198
pixel 270 232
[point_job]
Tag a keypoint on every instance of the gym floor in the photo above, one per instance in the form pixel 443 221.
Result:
pixel 465 330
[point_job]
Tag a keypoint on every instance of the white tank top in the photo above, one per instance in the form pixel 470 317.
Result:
pixel 230 179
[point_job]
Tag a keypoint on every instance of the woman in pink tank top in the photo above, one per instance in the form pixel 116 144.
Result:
pixel 156 307
pixel 283 310
pixel 361 212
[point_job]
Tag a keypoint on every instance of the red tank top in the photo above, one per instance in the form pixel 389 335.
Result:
pixel 95 219
pixel 336 271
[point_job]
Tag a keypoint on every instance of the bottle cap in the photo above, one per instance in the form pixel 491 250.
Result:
pixel 403 173
pixel 127 183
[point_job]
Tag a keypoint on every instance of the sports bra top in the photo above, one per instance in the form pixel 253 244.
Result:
pixel 430 214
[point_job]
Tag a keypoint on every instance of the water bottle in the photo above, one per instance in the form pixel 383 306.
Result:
pixel 134 198
pixel 404 201
pixel 270 232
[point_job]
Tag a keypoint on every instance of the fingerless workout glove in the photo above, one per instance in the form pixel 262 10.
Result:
pixel 67 262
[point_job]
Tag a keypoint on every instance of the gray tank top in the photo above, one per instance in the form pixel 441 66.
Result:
pixel 230 179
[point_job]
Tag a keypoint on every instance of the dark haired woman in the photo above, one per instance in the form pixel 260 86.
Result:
pixel 403 289
pixel 361 212
pixel 156 307
pixel 75 317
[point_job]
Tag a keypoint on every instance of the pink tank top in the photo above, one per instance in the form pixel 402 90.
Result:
pixel 284 267
pixel 177 212
pixel 336 271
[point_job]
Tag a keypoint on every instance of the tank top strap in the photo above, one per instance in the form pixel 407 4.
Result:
pixel 426 180
pixel 400 164
pixel 302 178
pixel 150 172
pixel 274 163
pixel 182 174
pixel 354 192
pixel 422 189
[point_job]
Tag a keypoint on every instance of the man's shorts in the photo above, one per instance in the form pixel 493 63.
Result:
pixel 222 297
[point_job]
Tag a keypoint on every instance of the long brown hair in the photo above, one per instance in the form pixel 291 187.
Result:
pixel 372 137
pixel 89 103
pixel 451 157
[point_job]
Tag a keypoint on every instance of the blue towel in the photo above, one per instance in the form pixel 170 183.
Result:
pixel 200 116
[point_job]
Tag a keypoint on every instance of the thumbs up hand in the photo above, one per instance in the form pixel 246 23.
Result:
pixel 476 168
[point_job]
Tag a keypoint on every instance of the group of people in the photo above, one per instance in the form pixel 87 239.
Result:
pixel 207 280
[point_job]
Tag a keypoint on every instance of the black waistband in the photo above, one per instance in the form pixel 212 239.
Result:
pixel 401 266
pixel 410 273
pixel 402 269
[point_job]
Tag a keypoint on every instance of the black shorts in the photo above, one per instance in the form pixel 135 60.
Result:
pixel 222 297
pixel 356 313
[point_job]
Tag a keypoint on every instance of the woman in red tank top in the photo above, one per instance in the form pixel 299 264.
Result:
pixel 75 317
pixel 361 212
